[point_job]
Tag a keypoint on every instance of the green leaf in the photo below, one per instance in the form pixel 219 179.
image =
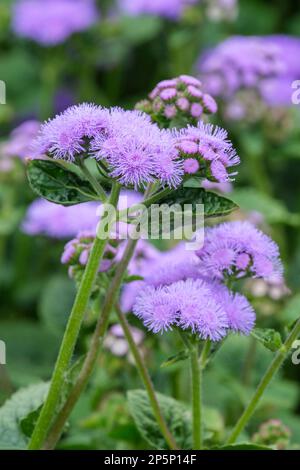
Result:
pixel 242 446
pixel 181 356
pixel 272 209
pixel 17 414
pixel 57 184
pixel 268 337
pixel 214 204
pixel 176 414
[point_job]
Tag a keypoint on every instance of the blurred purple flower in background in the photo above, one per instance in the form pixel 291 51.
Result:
pixel 56 221
pixel 20 140
pixel 50 22
pixel 265 64
pixel 171 9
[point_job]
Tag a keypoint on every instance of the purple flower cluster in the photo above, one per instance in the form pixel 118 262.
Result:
pixel 264 64
pixel 20 140
pixel 207 151
pixel 195 305
pixel 56 221
pixel 51 22
pixel 137 152
pixel 171 9
pixel 239 249
pixel 133 149
pixel 65 136
pixel 180 97
pixel 188 289
pixel 77 251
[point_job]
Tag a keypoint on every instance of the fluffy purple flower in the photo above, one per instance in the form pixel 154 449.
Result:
pixel 20 140
pixel 209 145
pixel 180 97
pixel 197 305
pixel 64 137
pixel 137 152
pixel 239 249
pixel 56 221
pixel 240 313
pixel 171 9
pixel 265 65
pixel 50 22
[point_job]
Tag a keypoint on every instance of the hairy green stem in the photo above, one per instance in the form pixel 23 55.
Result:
pixel 265 381
pixel 96 343
pixel 71 335
pixel 196 375
pixel 93 181
pixel 143 371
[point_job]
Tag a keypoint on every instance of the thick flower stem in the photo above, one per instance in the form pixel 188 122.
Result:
pixel 93 181
pixel 71 335
pixel 143 371
pixel 96 343
pixel 196 375
pixel 270 373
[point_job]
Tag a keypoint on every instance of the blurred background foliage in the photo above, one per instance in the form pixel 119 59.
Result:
pixel 117 62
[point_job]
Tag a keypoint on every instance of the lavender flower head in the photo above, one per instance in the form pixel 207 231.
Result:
pixel 133 150
pixel 194 305
pixel 51 22
pixel 239 249
pixel 207 151
pixel 67 136
pixel 171 9
pixel 137 152
pixel 56 221
pixel 264 65
pixel 180 98
pixel 20 140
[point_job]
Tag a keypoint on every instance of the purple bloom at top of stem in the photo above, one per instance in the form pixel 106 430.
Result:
pixel 210 147
pixel 171 9
pixel 195 305
pixel 56 221
pixel 239 249
pixel 51 22
pixel 64 137
pixel 137 152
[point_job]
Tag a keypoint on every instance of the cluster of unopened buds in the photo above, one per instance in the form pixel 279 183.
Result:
pixel 178 98
pixel 77 251
pixel 273 433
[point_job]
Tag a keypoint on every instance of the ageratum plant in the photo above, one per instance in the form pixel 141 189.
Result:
pixel 165 149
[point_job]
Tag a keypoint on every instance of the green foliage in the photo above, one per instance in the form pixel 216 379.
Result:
pixel 57 184
pixel 269 338
pixel 272 209
pixel 177 416
pixel 214 205
pixel 242 446
pixel 17 415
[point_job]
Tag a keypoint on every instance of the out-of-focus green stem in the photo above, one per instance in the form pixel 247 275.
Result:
pixel 268 376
